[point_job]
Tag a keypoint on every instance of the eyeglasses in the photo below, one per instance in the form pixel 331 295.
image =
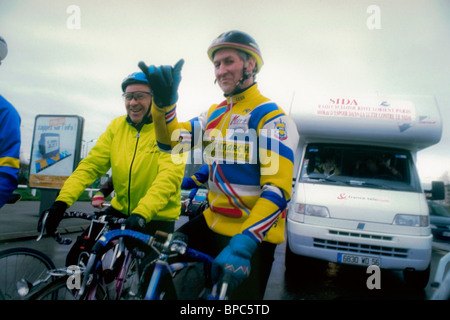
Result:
pixel 137 95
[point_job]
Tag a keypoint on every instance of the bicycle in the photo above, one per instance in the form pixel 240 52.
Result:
pixel 116 278
pixel 156 280
pixel 22 268
pixel 193 208
pixel 116 282
pixel 167 247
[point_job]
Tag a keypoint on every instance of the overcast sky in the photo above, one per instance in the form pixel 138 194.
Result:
pixel 71 60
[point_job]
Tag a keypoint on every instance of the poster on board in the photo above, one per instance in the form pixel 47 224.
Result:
pixel 55 150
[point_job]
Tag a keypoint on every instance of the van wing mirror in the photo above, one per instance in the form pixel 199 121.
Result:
pixel 437 191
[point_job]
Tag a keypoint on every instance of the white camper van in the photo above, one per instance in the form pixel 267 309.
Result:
pixel 357 197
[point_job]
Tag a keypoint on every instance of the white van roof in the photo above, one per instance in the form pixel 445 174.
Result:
pixel 411 122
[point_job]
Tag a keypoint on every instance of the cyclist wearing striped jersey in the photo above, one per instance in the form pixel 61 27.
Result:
pixel 249 145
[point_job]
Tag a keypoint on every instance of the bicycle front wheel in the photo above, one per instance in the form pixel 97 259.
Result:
pixel 20 270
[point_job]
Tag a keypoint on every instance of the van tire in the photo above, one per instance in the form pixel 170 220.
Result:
pixel 296 265
pixel 417 279
pixel 292 261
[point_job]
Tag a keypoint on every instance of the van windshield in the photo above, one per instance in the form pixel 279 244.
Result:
pixel 360 166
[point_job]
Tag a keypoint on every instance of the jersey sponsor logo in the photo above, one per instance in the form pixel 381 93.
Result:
pixel 280 130
pixel 236 147
pixel 239 121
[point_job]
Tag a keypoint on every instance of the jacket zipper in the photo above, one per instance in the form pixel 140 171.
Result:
pixel 129 174
pixel 230 103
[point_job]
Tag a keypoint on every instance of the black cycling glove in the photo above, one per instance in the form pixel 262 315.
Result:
pixel 135 222
pixel 55 215
pixel 164 82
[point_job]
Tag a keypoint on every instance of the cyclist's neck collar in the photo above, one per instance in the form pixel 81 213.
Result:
pixel 146 120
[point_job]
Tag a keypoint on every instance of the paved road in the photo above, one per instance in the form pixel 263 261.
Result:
pixel 18 228
pixel 19 220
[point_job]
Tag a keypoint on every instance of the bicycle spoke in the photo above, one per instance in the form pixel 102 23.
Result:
pixel 20 270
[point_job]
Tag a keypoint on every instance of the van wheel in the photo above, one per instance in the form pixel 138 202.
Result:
pixel 296 264
pixel 292 261
pixel 417 279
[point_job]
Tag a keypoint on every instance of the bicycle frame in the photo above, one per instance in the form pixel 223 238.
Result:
pixel 101 224
pixel 162 269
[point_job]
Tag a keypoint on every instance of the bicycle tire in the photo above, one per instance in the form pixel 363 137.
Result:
pixel 55 290
pixel 21 264
pixel 130 278
pixel 59 290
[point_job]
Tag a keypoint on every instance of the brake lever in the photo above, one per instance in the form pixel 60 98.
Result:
pixel 224 287
pixel 59 239
pixel 44 220
pixel 223 291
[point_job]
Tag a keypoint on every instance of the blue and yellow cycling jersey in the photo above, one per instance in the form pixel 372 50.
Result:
pixel 9 149
pixel 248 143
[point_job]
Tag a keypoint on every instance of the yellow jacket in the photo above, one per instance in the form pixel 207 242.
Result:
pixel 146 181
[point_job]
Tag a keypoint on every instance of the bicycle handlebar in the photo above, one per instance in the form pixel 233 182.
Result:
pixel 114 234
pixel 77 214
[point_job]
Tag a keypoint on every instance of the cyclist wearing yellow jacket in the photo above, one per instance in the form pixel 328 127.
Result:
pixel 146 181
pixel 249 147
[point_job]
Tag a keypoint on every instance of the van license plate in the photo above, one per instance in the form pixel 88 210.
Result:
pixel 358 260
